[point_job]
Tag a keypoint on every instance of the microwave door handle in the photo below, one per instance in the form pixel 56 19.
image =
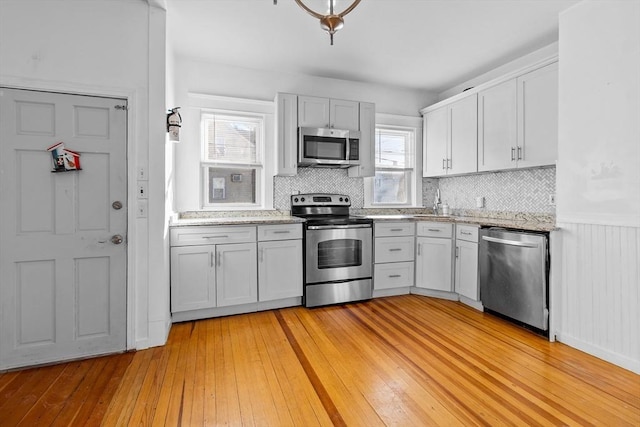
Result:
pixel 348 150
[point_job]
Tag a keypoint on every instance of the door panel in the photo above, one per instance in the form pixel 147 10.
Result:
pixel 63 288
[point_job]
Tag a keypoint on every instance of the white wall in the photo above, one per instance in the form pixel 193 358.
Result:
pixel 111 48
pixel 192 76
pixel 598 180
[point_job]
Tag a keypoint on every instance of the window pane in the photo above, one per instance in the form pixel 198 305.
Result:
pixel 393 148
pixel 230 185
pixel 231 139
pixel 391 187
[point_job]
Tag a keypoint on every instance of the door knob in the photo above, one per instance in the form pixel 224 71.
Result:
pixel 117 205
pixel 116 239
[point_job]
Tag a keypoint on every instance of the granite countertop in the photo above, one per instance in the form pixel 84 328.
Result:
pixel 515 221
pixel 234 218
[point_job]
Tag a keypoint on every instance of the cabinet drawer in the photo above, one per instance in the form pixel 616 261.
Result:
pixel 387 229
pixel 394 249
pixel 435 229
pixel 279 232
pixel 394 275
pixel 203 235
pixel 468 233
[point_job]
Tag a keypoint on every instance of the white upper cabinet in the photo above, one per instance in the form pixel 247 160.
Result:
pixel 497 145
pixel 367 135
pixel 538 117
pixel 287 134
pixel 515 118
pixel 451 138
pixel 328 113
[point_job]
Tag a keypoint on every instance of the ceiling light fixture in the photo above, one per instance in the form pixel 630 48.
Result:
pixel 331 22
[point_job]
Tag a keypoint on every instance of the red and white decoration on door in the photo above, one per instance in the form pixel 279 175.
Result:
pixel 64 159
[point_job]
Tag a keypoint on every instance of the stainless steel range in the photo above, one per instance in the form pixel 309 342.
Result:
pixel 338 250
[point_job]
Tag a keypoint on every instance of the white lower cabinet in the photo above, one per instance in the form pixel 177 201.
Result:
pixel 236 274
pixel 434 256
pixel 466 274
pixel 393 257
pixel 221 270
pixel 279 269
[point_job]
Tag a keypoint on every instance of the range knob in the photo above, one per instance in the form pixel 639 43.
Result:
pixel 302 199
pixel 340 198
pixel 295 200
pixel 346 199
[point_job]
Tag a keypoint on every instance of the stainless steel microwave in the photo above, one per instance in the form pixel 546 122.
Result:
pixel 323 147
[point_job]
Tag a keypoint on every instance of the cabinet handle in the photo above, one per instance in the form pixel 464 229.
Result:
pixel 457 251
pixel 434 229
pixel 219 259
pixel 443 165
pixel 449 164
pixel 395 249
pixel 281 232
pixel 392 276
pixel 261 255
pixel 465 233
pixel 396 229
pixel 212 261
pixel 419 248
pixel 519 153
pixel 513 153
pixel 215 237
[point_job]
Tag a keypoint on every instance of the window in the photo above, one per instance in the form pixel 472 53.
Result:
pixel 232 169
pixel 393 183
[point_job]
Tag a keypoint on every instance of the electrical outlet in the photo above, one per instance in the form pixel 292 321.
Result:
pixel 552 199
pixel 143 189
pixel 143 207
pixel 480 202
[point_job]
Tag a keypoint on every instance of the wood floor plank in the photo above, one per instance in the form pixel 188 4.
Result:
pixel 405 360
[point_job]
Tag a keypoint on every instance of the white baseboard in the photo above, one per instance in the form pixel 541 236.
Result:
pixel 601 353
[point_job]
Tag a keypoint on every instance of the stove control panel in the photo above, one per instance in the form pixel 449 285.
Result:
pixel 319 199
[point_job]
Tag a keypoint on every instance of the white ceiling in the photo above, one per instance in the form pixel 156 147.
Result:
pixel 429 45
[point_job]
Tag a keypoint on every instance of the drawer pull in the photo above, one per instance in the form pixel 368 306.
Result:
pixel 214 237
pixel 465 233
pixel 434 229
pixel 393 276
pixel 395 249
pixel 396 229
pixel 281 232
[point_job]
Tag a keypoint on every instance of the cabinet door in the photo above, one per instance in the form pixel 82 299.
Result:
pixel 193 283
pixel 538 117
pixel 367 137
pixel 236 274
pixel 344 114
pixel 313 112
pixel 463 136
pixel 434 264
pixel 436 125
pixel 466 279
pixel 497 136
pixel 280 269
pixel 287 133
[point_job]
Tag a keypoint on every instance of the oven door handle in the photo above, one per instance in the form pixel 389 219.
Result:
pixel 333 227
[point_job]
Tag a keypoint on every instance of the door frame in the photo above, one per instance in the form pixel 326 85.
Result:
pixel 131 96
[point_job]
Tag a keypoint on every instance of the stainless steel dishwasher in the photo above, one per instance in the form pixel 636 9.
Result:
pixel 514 275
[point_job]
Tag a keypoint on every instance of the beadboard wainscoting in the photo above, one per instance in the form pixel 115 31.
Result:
pixel 599 309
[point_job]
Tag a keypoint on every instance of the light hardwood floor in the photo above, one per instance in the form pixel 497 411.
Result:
pixel 406 360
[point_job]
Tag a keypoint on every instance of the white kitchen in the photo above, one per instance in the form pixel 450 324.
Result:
pixel 104 273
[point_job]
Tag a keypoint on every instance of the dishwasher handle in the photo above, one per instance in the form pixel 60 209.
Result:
pixel 510 242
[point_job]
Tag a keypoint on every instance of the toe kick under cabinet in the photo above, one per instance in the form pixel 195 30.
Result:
pixel 222 270
pixel 393 268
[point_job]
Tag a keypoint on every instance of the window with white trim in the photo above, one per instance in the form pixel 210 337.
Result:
pixel 232 159
pixel 395 176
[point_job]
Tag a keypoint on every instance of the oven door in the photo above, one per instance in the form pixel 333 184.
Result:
pixel 336 253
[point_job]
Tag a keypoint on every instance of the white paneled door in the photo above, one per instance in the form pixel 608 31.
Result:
pixel 62 235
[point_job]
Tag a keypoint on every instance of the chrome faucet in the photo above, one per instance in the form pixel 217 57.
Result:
pixel 436 202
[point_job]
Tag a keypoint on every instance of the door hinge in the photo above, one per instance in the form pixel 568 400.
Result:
pixel 121 107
